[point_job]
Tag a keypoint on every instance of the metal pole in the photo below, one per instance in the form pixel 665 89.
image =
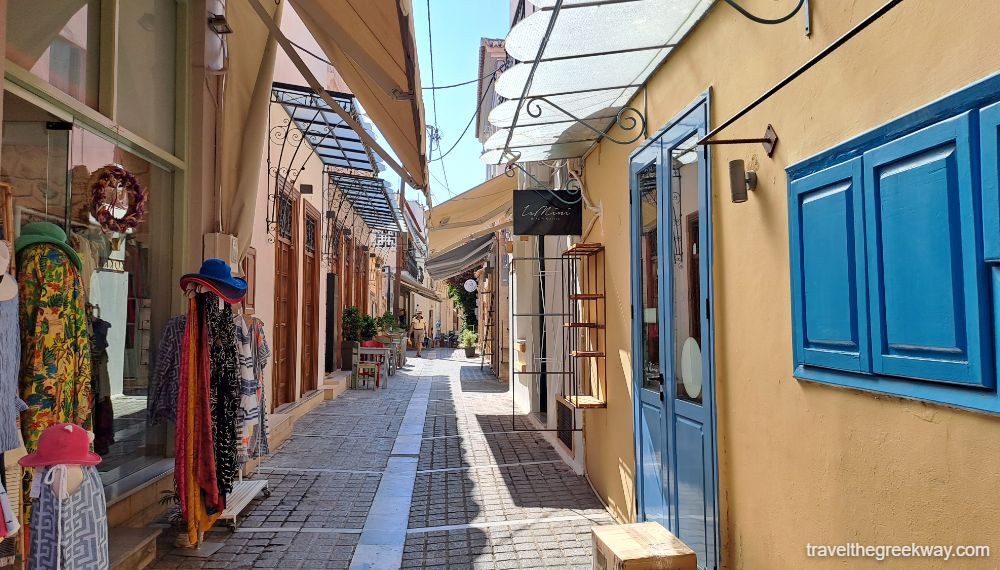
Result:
pixel 400 242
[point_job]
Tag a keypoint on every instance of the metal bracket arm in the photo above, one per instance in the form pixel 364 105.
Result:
pixel 769 140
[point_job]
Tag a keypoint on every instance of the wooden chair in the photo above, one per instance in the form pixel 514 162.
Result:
pixel 380 359
pixel 364 372
pixel 389 343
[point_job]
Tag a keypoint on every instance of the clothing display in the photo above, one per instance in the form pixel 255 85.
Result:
pixel 100 384
pixel 249 390
pixel 226 390
pixel 8 518
pixel 55 376
pixel 166 373
pixel 10 363
pixel 261 354
pixel 69 530
pixel 194 462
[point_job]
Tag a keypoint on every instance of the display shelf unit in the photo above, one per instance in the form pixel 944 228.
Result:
pixel 584 333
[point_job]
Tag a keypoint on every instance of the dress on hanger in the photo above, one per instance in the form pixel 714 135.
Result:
pixel 72 535
pixel 11 405
pixel 225 386
pixel 262 352
pixel 167 372
pixel 249 394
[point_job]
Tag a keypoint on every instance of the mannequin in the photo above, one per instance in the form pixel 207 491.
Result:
pixel 8 287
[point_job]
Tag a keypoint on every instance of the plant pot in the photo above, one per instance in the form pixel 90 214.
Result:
pixel 347 354
pixel 470 351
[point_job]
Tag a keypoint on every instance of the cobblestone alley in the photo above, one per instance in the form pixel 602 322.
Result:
pixel 426 474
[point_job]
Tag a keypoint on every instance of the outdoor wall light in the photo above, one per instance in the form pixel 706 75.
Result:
pixel 740 181
pixel 219 24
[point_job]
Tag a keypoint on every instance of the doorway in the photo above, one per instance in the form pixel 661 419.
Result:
pixel 675 421
pixel 285 287
pixel 310 298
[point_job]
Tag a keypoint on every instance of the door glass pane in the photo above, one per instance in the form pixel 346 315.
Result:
pixel 648 277
pixel 685 271
pixel 57 42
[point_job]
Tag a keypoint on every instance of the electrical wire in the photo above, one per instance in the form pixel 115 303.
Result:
pixel 467 125
pixel 767 21
pixel 491 74
pixel 308 52
pixel 436 139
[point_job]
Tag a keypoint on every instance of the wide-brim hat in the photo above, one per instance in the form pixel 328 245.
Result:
pixel 216 275
pixel 62 444
pixel 46 232
pixel 226 293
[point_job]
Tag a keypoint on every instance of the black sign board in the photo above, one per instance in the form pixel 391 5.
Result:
pixel 548 213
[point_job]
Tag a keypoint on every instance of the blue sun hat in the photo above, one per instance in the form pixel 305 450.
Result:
pixel 216 275
pixel 46 232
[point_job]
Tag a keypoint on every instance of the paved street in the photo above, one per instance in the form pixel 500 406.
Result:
pixel 426 474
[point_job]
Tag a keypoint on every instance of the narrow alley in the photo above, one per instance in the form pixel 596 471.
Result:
pixel 429 473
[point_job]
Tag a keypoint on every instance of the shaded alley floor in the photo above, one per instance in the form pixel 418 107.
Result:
pixel 431 473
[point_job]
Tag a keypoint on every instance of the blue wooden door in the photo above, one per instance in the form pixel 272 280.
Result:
pixel 675 399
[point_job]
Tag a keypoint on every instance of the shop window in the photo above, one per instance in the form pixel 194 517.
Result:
pixel 147 44
pixel 893 247
pixel 59 44
pixel 249 267
pixel 128 278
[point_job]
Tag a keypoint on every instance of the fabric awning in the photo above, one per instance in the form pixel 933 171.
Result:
pixel 471 214
pixel 561 98
pixel 370 43
pixel 459 259
pixel 406 281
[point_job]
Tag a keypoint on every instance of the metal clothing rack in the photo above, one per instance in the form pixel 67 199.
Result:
pixel 246 490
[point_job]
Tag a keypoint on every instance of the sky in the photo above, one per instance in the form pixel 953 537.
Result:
pixel 457 27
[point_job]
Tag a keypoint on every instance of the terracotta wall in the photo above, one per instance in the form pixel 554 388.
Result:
pixel 801 462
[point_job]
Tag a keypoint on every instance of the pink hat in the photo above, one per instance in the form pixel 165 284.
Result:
pixel 62 444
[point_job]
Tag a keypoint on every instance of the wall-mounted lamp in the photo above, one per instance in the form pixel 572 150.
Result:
pixel 741 181
pixel 219 24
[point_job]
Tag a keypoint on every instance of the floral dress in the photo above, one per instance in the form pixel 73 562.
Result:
pixel 55 344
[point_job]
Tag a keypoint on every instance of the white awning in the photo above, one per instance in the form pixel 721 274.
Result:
pixel 597 56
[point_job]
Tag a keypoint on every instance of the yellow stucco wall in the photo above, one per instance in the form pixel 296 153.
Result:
pixel 800 462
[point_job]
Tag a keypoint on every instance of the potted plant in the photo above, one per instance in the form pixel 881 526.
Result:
pixel 386 323
pixel 468 340
pixel 351 327
pixel 369 327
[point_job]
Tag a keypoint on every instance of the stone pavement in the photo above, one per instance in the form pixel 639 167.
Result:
pixel 432 472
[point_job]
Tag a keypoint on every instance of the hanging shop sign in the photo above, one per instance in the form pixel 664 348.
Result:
pixel 548 213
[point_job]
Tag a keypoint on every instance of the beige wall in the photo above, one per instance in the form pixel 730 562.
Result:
pixel 801 462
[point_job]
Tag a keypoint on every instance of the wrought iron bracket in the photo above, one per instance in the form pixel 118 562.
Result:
pixel 769 141
pixel 628 119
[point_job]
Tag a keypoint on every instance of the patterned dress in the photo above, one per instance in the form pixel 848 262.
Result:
pixel 226 391
pixel 73 535
pixel 166 375
pixel 55 345
pixel 249 390
pixel 262 352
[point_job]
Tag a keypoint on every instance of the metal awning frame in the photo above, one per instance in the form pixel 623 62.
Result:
pixel 627 118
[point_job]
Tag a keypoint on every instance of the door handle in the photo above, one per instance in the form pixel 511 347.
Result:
pixel 660 378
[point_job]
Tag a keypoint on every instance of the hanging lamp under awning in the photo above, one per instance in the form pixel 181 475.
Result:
pixel 599 53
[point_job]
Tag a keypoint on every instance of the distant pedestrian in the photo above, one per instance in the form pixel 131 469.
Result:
pixel 418 328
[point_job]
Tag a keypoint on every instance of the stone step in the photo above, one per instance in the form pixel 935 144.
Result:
pixel 132 548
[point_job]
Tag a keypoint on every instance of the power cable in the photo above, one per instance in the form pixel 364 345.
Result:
pixel 467 125
pixel 462 83
pixel 767 21
pixel 436 139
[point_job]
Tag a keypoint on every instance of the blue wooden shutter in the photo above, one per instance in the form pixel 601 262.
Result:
pixel 926 275
pixel 989 128
pixel 829 295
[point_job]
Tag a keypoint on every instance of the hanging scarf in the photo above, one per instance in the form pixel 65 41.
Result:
pixel 226 391
pixel 194 463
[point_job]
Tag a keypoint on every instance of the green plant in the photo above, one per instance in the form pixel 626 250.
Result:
pixel 369 327
pixel 467 338
pixel 386 322
pixel 351 324
pixel 465 302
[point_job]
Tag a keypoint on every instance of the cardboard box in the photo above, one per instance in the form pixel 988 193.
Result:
pixel 640 546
